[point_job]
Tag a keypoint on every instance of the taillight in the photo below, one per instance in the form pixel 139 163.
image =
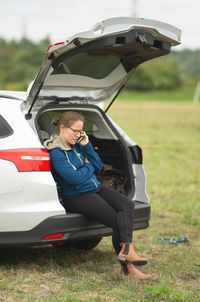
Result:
pixel 27 160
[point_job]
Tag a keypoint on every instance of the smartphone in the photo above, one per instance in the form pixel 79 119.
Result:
pixel 82 134
pixel 79 139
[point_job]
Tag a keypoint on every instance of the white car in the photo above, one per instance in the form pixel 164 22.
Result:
pixel 80 74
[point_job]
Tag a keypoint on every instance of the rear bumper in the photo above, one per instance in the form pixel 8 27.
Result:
pixel 74 226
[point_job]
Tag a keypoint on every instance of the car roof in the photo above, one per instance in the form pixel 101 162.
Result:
pixel 15 95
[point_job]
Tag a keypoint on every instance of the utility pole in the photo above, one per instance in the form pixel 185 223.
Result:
pixel 24 27
pixel 134 10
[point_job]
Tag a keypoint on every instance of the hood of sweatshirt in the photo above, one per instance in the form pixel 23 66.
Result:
pixel 55 142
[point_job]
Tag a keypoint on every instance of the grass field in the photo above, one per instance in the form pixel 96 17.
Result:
pixel 185 94
pixel 169 134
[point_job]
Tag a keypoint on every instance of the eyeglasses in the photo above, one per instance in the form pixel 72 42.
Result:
pixel 80 132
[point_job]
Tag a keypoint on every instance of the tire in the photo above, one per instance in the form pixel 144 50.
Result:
pixel 62 245
pixel 87 244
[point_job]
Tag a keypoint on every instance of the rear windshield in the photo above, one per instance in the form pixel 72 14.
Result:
pixel 96 66
pixel 5 129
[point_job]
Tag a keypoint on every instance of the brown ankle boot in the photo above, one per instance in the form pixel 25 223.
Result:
pixel 134 273
pixel 127 254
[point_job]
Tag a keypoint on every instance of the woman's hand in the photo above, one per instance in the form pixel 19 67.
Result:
pixel 84 139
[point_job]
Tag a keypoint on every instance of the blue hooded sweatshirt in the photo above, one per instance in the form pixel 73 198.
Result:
pixel 73 167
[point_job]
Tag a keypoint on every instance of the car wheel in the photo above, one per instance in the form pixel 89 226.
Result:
pixel 87 244
pixel 62 245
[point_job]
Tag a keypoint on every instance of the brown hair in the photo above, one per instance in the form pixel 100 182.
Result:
pixel 67 119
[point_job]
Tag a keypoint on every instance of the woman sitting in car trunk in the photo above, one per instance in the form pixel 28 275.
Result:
pixel 74 166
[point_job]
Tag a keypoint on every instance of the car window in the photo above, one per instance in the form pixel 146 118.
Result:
pixel 5 129
pixel 90 126
pixel 96 66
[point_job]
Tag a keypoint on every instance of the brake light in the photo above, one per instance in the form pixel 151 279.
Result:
pixel 53 46
pixel 28 160
pixel 53 236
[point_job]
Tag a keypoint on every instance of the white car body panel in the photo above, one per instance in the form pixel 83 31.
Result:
pixel 140 184
pixel 36 201
pixel 11 181
pixel 121 24
pixel 22 95
pixel 26 198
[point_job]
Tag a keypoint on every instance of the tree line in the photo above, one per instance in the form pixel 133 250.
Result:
pixel 20 61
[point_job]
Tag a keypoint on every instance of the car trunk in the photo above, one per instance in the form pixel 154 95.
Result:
pixel 93 66
pixel 107 142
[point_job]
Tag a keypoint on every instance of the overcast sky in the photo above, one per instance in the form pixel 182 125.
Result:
pixel 59 19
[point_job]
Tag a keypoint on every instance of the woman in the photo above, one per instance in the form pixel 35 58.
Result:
pixel 74 166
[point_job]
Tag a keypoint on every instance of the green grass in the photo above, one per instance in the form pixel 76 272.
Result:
pixel 181 95
pixel 169 134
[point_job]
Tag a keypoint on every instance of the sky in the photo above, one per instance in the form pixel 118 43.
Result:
pixel 58 19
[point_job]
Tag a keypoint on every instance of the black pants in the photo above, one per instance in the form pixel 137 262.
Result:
pixel 108 207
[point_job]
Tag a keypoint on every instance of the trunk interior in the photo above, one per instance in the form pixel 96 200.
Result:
pixel 111 147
